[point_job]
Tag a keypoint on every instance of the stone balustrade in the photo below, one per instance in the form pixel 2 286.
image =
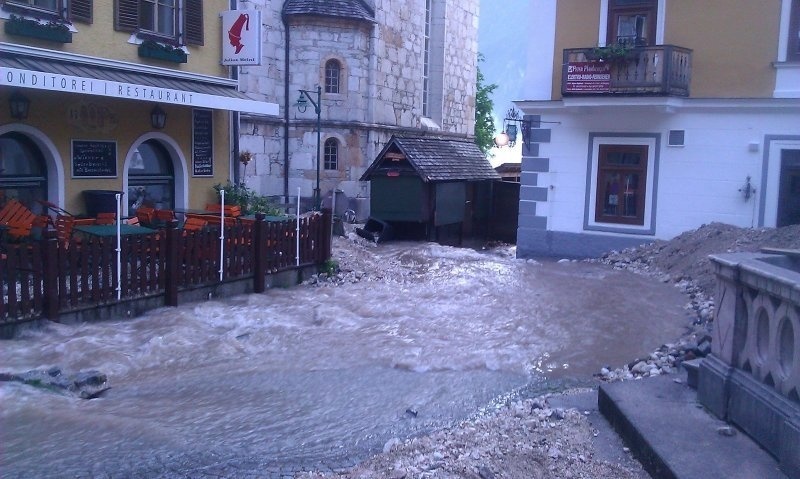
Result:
pixel 752 377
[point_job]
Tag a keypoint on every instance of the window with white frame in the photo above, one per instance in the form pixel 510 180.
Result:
pixel 52 7
pixel 331 154
pixel 333 72
pixel 622 183
pixel 54 10
pixel 158 17
pixel 177 22
pixel 793 43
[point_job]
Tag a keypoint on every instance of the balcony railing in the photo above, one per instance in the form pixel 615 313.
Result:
pixel 661 70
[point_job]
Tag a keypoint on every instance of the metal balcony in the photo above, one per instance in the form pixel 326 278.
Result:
pixel 660 70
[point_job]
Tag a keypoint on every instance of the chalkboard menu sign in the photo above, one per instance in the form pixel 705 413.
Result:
pixel 94 159
pixel 202 143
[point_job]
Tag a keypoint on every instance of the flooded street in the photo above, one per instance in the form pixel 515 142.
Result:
pixel 321 377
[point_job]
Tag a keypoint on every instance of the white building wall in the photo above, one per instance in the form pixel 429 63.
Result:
pixel 696 183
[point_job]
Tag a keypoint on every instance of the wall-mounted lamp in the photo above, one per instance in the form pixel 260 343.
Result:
pixel 747 189
pixel 511 125
pixel 19 105
pixel 158 118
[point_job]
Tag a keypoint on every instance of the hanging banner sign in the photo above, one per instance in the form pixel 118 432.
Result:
pixel 241 37
pixel 588 77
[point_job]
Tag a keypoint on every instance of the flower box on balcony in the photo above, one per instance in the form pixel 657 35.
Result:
pixel 612 53
pixel 52 32
pixel 165 53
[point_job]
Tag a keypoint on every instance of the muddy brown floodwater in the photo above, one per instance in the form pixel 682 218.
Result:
pixel 321 377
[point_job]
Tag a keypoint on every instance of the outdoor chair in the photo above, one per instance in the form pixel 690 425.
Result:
pixel 162 217
pixel 106 219
pixel 18 219
pixel 146 215
pixel 233 211
pixel 65 225
pixel 194 223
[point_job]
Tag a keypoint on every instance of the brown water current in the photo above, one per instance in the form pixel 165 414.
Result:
pixel 323 375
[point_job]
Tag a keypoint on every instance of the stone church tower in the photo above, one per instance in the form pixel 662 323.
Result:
pixel 385 67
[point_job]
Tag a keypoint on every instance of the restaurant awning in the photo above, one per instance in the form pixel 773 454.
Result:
pixel 126 81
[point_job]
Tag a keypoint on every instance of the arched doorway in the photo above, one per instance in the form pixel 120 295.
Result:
pixel 151 177
pixel 23 174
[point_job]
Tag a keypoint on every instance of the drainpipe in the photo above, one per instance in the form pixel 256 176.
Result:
pixel 286 111
pixel 372 134
pixel 234 119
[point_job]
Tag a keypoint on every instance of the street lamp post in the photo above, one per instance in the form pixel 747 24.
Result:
pixel 302 105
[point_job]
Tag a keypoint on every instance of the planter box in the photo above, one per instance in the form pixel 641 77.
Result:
pixel 175 56
pixel 35 30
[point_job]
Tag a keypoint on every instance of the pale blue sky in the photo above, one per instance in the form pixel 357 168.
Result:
pixel 502 41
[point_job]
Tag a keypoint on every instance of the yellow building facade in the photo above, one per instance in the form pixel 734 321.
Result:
pixel 122 96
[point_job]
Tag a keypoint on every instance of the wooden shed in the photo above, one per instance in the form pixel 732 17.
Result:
pixel 432 188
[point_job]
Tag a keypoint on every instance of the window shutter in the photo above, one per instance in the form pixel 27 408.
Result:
pixel 126 16
pixel 80 11
pixel 193 21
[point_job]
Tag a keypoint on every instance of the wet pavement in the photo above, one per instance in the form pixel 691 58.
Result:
pixel 321 377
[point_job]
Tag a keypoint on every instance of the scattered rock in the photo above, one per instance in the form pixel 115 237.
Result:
pixel 84 384
pixel 485 473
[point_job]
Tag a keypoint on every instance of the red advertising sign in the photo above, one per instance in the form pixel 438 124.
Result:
pixel 588 77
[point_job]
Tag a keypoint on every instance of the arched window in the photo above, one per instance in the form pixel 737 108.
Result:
pixel 331 154
pixel 23 174
pixel 151 178
pixel 333 71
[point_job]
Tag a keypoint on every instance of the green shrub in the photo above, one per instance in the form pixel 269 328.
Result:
pixel 247 199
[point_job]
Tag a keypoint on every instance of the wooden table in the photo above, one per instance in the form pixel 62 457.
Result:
pixel 111 230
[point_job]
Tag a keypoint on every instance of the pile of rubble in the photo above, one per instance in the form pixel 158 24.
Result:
pixel 684 261
pixel 517 439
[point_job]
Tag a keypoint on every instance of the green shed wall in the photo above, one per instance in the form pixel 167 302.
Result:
pixel 400 198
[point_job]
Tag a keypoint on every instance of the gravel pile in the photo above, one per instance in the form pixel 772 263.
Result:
pixel 527 438
pixel 684 262
pixel 524 439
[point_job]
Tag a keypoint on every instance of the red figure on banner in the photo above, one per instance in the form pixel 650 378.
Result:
pixel 235 33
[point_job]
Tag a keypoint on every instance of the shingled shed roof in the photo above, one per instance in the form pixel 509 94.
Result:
pixel 439 159
pixel 357 9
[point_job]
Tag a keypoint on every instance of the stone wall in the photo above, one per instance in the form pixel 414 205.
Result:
pixel 381 90
pixel 752 376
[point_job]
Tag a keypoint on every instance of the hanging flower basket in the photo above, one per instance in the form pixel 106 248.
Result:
pixel 157 51
pixel 52 32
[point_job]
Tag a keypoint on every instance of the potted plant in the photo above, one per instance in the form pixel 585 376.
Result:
pixel 615 52
pixel 160 51
pixel 51 31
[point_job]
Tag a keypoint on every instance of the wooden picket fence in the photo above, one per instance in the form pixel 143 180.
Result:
pixel 46 278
